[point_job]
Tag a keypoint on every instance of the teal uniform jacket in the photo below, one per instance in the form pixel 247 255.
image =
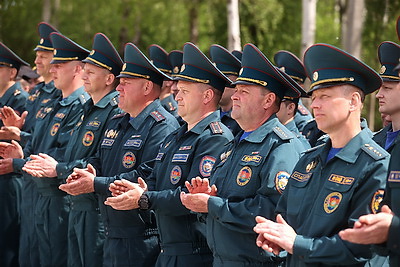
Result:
pixel 10 190
pixel 229 122
pixel 381 135
pixel 41 97
pixel 127 143
pixel 250 177
pixel 291 126
pixel 322 198
pixel 85 229
pixel 392 199
pixel 184 155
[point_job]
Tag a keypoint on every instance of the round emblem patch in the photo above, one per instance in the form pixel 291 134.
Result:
pixel 54 129
pixel 176 174
pixel 176 69
pixel 332 201
pixel 128 160
pixel 315 75
pixel 206 165
pixel 281 180
pixel 243 176
pixel 88 138
pixel 376 201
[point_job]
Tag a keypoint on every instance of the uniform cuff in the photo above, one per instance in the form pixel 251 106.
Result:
pixel 302 247
pixel 18 164
pixel 101 185
pixel 215 204
pixel 25 137
pixel 393 242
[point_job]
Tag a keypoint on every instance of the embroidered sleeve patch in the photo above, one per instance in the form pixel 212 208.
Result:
pixel 376 200
pixel 281 180
pixel 206 165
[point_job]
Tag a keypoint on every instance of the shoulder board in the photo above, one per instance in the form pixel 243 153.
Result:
pixel 283 133
pixel 375 151
pixel 303 110
pixel 114 101
pixel 119 115
pixel 216 128
pixel 83 98
pixel 157 115
pixel 314 148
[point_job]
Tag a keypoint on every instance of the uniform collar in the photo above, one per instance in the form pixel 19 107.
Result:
pixel 141 117
pixel 259 134
pixel 80 92
pixel 291 126
pixel 352 149
pixel 106 99
pixel 227 114
pixel 203 124
pixel 48 87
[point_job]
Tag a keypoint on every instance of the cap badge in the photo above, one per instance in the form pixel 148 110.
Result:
pixel 315 76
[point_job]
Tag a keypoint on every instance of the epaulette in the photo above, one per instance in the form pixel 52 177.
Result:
pixel 114 101
pixel 83 98
pixel 216 128
pixel 303 110
pixel 313 148
pixel 376 152
pixel 157 115
pixel 119 115
pixel 283 133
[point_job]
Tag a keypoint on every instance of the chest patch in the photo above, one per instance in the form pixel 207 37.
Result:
pixel 251 158
pixel 128 160
pixel 281 180
pixel 206 165
pixel 133 142
pixel 338 179
pixel 54 129
pixel 394 176
pixel 176 174
pixel 244 176
pixel 332 201
pixel 107 142
pixel 88 138
pixel 94 124
pixel 300 176
pixel 180 158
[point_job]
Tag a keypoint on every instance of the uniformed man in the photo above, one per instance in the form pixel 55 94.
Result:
pixel 383 228
pixel 229 65
pixel 388 94
pixel 175 58
pixel 52 133
pixel 334 183
pixel 188 152
pixel 159 57
pixel 292 65
pixel 85 228
pixel 11 95
pixel 253 169
pixel 130 139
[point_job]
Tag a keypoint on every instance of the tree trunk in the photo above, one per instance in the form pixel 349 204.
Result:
pixel 194 22
pixel 46 11
pixel 352 26
pixel 308 25
pixel 234 42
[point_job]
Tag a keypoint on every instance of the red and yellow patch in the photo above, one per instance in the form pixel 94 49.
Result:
pixel 54 129
pixel 88 138
pixel 244 176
